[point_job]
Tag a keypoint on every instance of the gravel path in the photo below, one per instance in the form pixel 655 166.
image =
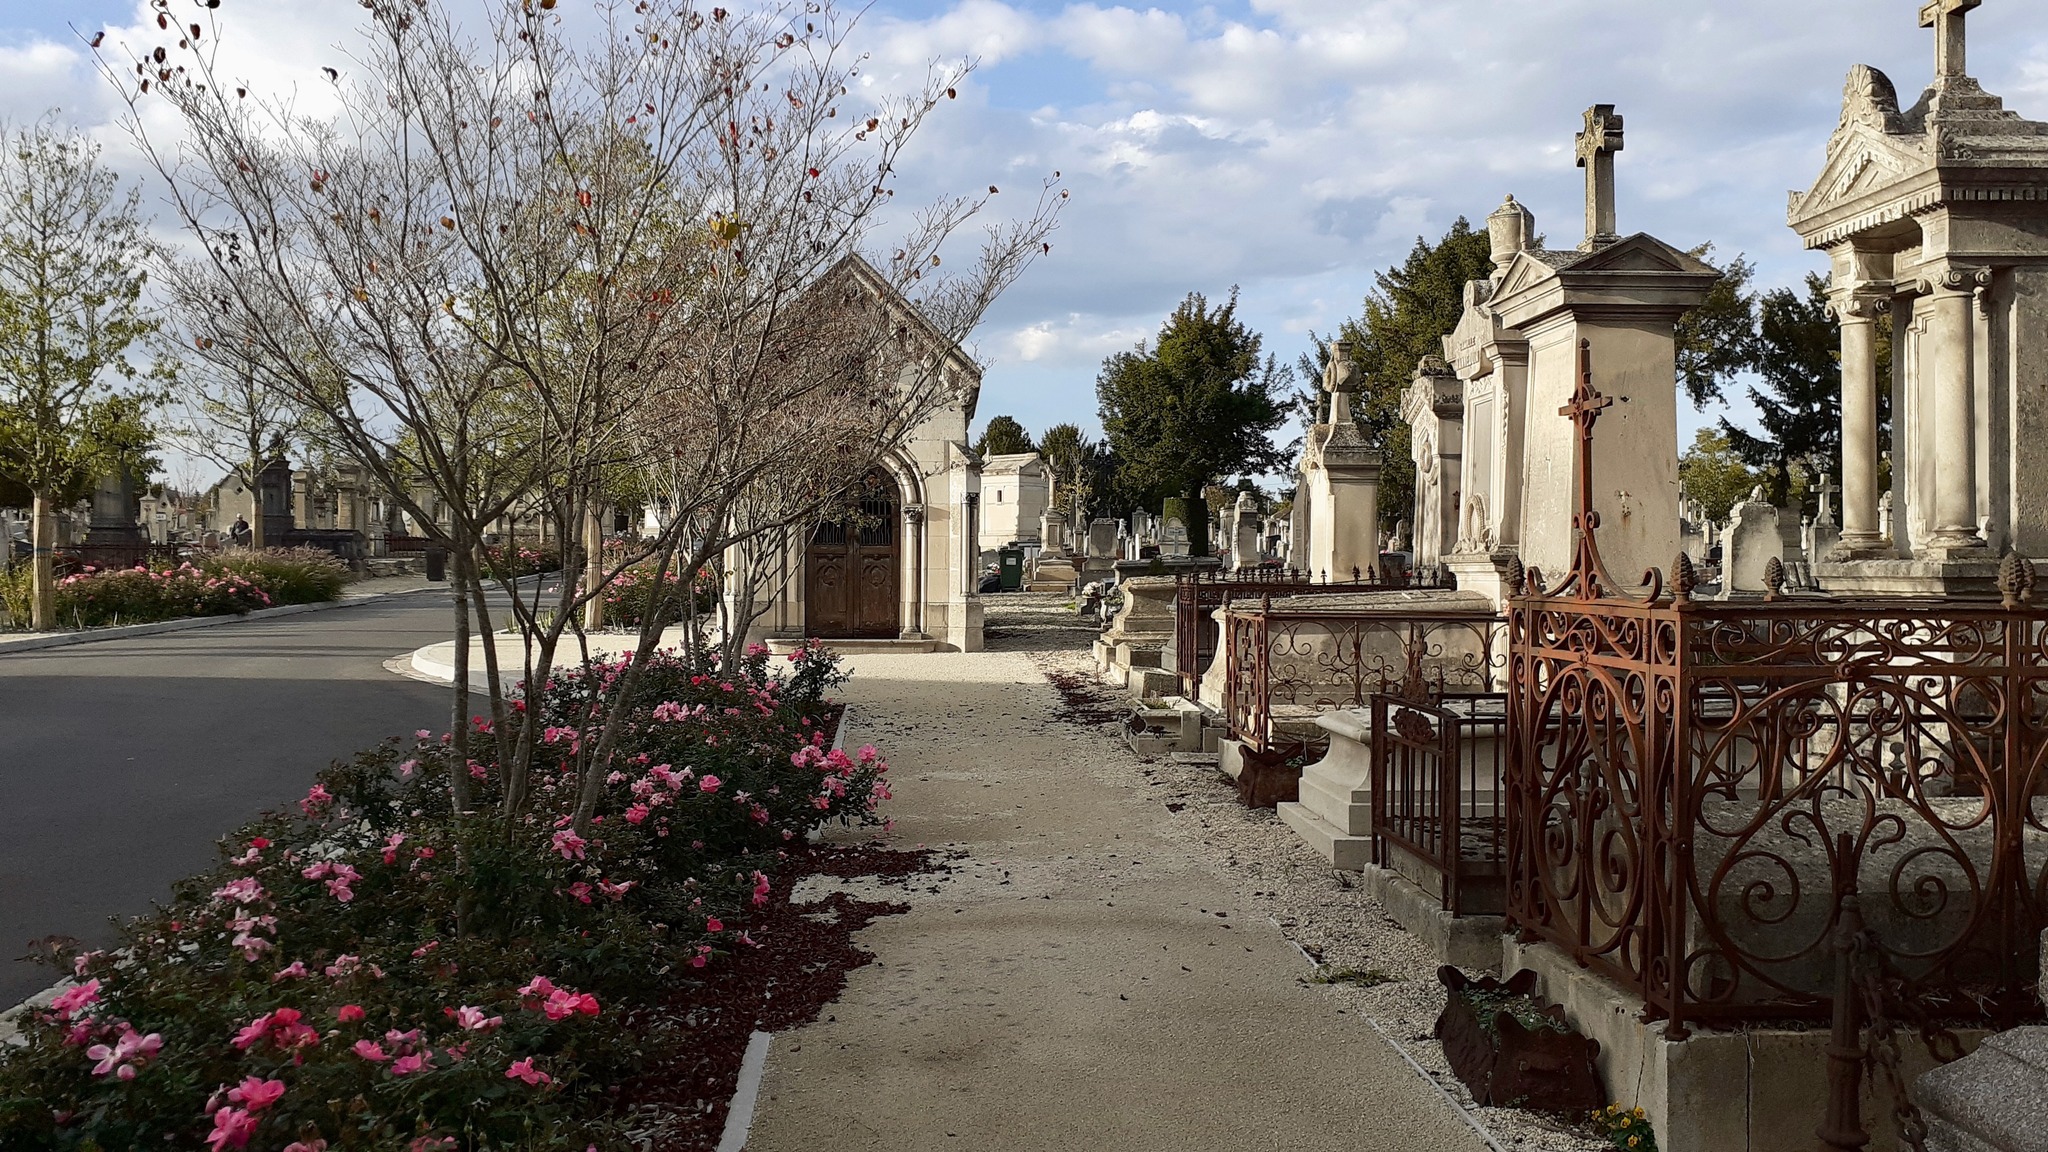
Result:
pixel 1118 958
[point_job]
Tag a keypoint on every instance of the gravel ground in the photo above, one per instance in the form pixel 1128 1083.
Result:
pixel 1321 910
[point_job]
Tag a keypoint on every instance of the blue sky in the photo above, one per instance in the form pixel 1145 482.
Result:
pixel 1294 147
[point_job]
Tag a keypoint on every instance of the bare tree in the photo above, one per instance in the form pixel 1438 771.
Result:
pixel 228 410
pixel 512 268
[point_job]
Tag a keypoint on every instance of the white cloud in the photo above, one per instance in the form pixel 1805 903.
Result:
pixel 1296 147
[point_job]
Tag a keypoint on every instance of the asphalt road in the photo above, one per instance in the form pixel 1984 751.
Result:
pixel 123 762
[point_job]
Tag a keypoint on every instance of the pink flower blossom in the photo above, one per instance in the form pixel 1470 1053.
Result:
pixel 255 1094
pixel 709 784
pixel 232 1128
pixel 580 891
pixel 524 1070
pixel 473 1019
pixel 636 814
pixel 370 1050
pixel 562 1004
pixel 761 888
pixel 245 891
pixel 316 802
pixel 296 970
pixel 391 844
pixel 349 1013
pixel 714 924
pixel 616 891
pixel 74 999
pixel 538 986
pixel 306 1146
pixel 409 1064
pixel 129 1052
pixel 569 844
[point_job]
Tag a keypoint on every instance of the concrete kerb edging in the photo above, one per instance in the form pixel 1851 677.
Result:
pixel 126 631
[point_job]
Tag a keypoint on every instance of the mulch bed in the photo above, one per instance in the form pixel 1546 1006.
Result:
pixel 807 951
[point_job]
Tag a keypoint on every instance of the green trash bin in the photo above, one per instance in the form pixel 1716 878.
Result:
pixel 1010 568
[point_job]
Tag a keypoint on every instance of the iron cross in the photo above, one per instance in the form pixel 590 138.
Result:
pixel 1597 145
pixel 1947 18
pixel 1584 410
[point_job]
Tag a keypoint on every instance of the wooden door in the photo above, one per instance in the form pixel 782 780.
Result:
pixel 852 568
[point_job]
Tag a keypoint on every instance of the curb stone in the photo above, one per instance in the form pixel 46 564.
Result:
pixel 128 631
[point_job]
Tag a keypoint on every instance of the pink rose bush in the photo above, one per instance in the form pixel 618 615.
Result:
pixel 228 584
pixel 460 988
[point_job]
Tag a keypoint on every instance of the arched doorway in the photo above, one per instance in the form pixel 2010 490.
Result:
pixel 852 587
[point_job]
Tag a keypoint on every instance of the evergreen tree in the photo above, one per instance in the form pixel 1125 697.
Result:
pixel 1798 398
pixel 1194 406
pixel 1082 471
pixel 1717 339
pixel 1004 437
pixel 1406 317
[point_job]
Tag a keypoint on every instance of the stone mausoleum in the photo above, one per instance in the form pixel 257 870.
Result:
pixel 904 573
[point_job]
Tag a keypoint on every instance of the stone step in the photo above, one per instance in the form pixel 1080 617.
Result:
pixel 1351 853
pixel 1349 812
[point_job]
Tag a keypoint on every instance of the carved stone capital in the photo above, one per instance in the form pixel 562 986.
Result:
pixel 1956 278
pixel 1858 305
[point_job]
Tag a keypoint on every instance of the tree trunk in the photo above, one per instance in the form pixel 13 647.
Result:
pixel 458 770
pixel 593 567
pixel 43 571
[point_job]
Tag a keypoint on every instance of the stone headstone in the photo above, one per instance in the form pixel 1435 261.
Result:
pixel 1753 541
pixel 1102 539
pixel 1173 538
pixel 1052 531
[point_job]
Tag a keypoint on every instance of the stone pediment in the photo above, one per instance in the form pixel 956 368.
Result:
pixel 1524 270
pixel 1641 252
pixel 1862 158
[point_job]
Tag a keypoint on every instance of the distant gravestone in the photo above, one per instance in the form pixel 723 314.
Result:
pixel 1173 538
pixel 1052 531
pixel 1245 545
pixel 1102 539
pixel 1752 542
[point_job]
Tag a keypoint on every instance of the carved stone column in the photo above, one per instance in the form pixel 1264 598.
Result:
pixel 1955 421
pixel 1858 316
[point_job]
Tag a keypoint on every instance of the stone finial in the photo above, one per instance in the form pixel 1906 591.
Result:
pixel 1774 579
pixel 1512 229
pixel 2015 580
pixel 1684 578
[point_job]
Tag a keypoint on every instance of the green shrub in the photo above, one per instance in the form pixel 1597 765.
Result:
pixel 510 563
pixel 286 575
pixel 16 594
pixel 100 598
pixel 627 598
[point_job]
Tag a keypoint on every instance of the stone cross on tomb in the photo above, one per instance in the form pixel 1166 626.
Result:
pixel 1947 18
pixel 1596 148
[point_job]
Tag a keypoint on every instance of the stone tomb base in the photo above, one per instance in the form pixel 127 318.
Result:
pixel 1975 576
pixel 1753 1090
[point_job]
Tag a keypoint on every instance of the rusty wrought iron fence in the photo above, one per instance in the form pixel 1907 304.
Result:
pixel 1683 775
pixel 1438 805
pixel 1285 664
